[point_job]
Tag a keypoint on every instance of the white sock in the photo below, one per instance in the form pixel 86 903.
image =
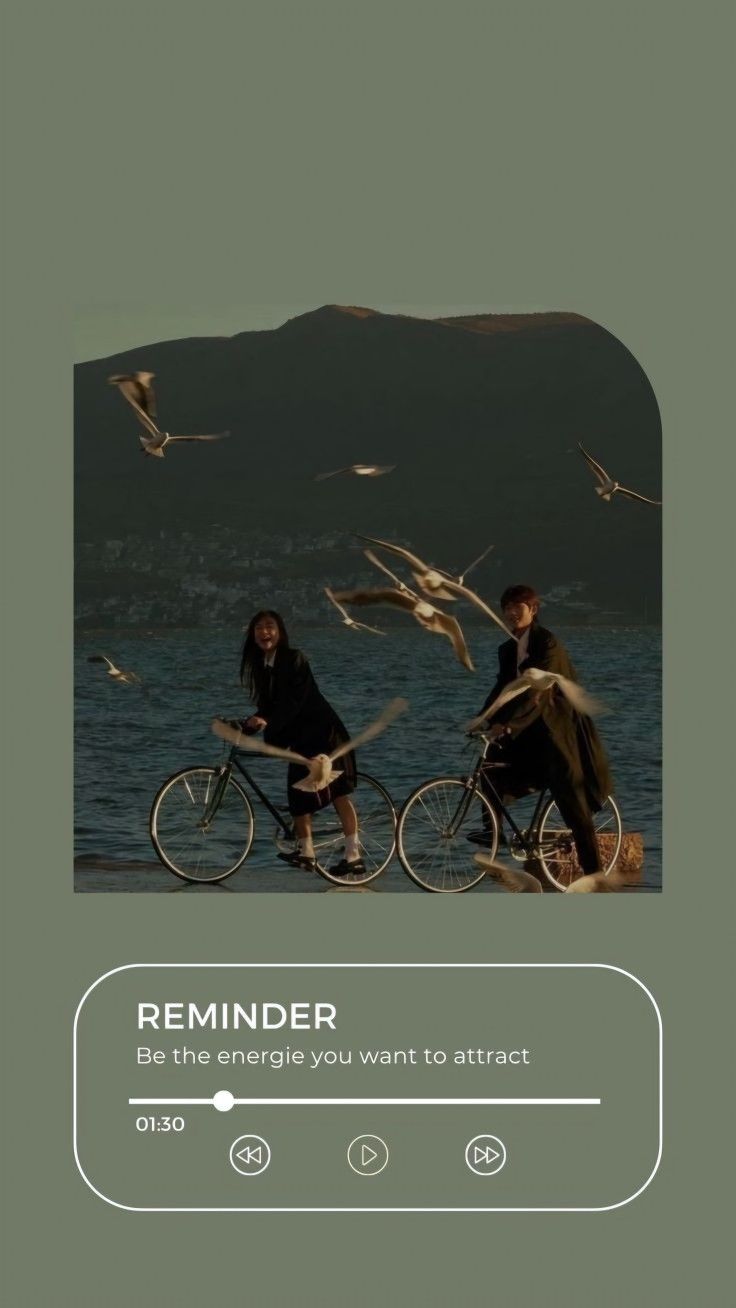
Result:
pixel 352 849
pixel 305 845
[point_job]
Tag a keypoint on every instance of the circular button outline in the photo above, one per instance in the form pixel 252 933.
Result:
pixel 501 1146
pixel 360 1171
pixel 239 1141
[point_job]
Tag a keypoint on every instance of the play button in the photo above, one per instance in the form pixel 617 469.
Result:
pixel 485 1155
pixel 368 1155
pixel 250 1155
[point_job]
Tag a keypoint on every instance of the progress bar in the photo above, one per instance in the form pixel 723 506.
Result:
pixel 224 1101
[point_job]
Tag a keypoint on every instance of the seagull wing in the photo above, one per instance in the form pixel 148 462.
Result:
pixel 599 471
pixel 220 435
pixel 102 658
pixel 135 394
pixel 323 476
pixel 581 701
pixel 332 600
pixel 472 598
pixel 632 495
pixel 406 555
pixel 373 558
pixel 509 692
pixel 597 883
pixel 472 565
pixel 384 719
pixel 363 626
pixel 146 380
pixel 516 881
pixel 395 598
pixel 239 738
pixel 446 625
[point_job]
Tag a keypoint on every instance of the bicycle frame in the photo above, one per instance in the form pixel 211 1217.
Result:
pixel 473 784
pixel 219 791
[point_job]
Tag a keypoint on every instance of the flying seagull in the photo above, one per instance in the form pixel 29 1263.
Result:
pixel 320 769
pixel 125 678
pixel 430 580
pixel 137 388
pixel 360 470
pixel 426 614
pixel 347 620
pixel 537 680
pixel 607 487
pixel 518 882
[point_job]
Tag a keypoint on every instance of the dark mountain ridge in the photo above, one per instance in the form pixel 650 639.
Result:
pixel 481 415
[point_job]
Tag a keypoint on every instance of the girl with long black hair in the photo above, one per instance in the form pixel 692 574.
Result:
pixel 293 714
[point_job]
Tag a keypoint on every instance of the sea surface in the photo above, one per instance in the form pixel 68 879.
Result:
pixel 130 738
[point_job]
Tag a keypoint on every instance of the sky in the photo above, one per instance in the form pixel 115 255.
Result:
pixel 104 329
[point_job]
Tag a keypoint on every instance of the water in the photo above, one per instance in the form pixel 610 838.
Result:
pixel 129 740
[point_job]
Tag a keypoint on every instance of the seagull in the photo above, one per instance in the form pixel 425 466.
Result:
pixel 320 769
pixel 518 882
pixel 360 470
pixel 347 620
pixel 125 678
pixel 427 615
pixel 137 389
pixel 428 579
pixel 515 881
pixel 537 680
pixel 608 487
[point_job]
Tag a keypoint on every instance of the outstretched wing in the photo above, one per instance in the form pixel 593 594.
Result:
pixel 235 737
pixel 445 625
pixel 509 692
pixel 414 562
pixel 323 476
pixel 373 558
pixel 384 719
pixel 474 564
pixel 220 436
pixel 581 701
pixel 395 598
pixel 470 595
pixel 632 495
pixel 599 471
pixel 102 658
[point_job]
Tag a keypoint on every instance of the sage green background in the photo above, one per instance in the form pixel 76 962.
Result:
pixel 565 155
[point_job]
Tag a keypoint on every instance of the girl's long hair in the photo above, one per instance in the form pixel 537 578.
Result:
pixel 251 658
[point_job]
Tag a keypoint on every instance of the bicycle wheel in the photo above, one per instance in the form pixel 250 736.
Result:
pixel 557 852
pixel 188 844
pixel 376 834
pixel 432 835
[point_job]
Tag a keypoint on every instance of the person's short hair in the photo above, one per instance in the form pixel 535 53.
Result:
pixel 519 595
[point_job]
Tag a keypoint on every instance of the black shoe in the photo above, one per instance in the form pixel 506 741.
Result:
pixel 295 859
pixel 343 868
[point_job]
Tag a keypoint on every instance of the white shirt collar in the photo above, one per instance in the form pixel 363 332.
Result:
pixel 522 648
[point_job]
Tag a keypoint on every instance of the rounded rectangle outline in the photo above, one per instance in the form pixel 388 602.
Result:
pixel 127 967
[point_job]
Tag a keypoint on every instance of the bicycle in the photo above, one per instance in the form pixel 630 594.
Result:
pixel 437 818
pixel 202 824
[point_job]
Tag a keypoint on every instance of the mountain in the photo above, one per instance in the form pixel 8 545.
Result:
pixel 481 415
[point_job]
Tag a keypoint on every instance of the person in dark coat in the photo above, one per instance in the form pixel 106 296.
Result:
pixel 293 714
pixel 545 741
